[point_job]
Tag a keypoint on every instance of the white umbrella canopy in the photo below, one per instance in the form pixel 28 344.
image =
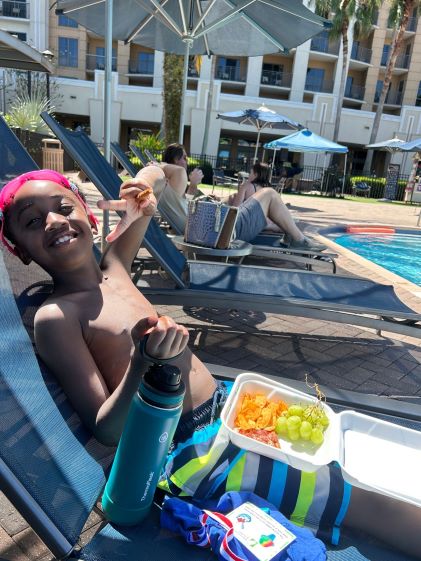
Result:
pixel 221 27
pixel 261 118
pixel 391 145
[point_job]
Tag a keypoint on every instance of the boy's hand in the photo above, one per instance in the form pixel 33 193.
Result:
pixel 166 339
pixel 132 208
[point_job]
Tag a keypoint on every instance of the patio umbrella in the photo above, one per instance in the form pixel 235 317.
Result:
pixel 307 141
pixel 261 118
pixel 392 145
pixel 220 27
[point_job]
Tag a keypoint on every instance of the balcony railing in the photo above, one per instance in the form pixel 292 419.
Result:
pixel 355 92
pixel 193 73
pixel 326 86
pixel 229 73
pixel 14 9
pixel 97 62
pixel 361 53
pixel 323 45
pixel 411 25
pixel 392 98
pixel 402 61
pixel 276 78
pixel 136 67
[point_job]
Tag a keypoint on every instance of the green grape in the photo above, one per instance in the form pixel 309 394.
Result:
pixel 324 421
pixel 294 422
pixel 317 436
pixel 305 430
pixel 295 410
pixel 294 435
pixel 281 426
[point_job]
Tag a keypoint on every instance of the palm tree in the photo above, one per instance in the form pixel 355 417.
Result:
pixel 345 12
pixel 172 96
pixel 400 12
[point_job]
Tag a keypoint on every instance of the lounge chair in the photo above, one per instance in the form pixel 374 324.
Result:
pixel 122 157
pixel 264 245
pixel 13 160
pixel 350 300
pixel 53 471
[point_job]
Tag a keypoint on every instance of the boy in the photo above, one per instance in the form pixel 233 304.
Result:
pixel 88 334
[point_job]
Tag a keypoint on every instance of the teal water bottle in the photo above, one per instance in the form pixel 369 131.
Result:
pixel 148 432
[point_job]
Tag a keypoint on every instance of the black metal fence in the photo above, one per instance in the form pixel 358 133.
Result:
pixel 328 181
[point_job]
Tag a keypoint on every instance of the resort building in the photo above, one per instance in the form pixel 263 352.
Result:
pixel 302 85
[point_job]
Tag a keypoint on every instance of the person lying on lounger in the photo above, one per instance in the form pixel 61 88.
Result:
pixel 253 213
pixel 88 333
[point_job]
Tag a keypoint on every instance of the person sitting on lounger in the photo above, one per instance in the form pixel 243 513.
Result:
pixel 88 333
pixel 252 213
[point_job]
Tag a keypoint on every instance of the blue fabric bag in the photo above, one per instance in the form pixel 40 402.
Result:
pixel 202 530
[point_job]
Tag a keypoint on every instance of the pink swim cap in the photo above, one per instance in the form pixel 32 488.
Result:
pixel 7 194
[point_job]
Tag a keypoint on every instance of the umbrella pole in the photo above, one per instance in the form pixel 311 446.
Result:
pixel 107 103
pixel 188 43
pixel 271 167
pixel 257 146
pixel 344 177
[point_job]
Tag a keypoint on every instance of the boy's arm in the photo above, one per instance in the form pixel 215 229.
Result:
pixel 61 344
pixel 127 237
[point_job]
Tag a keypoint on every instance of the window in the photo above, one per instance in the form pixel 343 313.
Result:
pixel 145 63
pixel 379 87
pixel 18 35
pixel 418 100
pixel 100 59
pixel 272 73
pixel 348 86
pixel 66 22
pixel 228 69
pixel 315 79
pixel 385 55
pixel 67 52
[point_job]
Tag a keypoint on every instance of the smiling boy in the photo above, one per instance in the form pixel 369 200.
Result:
pixel 88 333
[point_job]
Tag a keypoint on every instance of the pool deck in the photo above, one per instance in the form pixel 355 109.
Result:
pixel 335 355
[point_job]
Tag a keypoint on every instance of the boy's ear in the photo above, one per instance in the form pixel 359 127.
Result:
pixel 23 255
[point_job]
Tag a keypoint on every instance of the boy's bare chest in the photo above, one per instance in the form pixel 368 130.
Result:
pixel 109 333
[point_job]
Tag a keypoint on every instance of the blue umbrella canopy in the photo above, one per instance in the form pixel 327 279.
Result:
pixel 261 118
pixel 306 141
pixel 411 146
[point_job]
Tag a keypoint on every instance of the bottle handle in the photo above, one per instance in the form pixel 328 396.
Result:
pixel 150 358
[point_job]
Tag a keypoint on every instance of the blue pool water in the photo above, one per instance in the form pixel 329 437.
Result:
pixel 399 252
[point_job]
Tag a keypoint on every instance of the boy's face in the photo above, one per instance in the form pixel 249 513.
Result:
pixel 49 225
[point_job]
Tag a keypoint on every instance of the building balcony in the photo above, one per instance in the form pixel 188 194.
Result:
pixel 276 78
pixel 230 74
pixel 193 73
pixel 355 92
pixel 97 62
pixel 325 86
pixel 14 9
pixel 323 45
pixel 402 61
pixel 136 67
pixel 362 54
pixel 392 98
pixel 411 25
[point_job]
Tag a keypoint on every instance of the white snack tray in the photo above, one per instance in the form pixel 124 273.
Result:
pixel 373 454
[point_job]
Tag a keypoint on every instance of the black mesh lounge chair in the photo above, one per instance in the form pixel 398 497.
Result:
pixel 350 300
pixel 265 246
pixel 53 471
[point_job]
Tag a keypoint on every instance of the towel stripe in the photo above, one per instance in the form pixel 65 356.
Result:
pixel 342 512
pixel 264 477
pixel 305 497
pixel 277 485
